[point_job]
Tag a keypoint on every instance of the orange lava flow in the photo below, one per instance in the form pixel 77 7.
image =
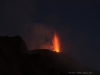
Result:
pixel 56 43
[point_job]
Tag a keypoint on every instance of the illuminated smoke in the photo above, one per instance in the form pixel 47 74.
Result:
pixel 40 37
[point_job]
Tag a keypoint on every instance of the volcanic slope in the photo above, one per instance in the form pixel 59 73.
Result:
pixel 57 62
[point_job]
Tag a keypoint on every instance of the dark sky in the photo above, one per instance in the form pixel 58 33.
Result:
pixel 77 22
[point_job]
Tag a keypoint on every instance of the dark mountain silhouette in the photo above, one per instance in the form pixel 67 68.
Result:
pixel 60 62
pixel 12 52
pixel 15 60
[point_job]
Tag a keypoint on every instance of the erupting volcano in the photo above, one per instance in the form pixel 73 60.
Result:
pixel 15 60
pixel 56 43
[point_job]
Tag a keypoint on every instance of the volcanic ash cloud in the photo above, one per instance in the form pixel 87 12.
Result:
pixel 40 37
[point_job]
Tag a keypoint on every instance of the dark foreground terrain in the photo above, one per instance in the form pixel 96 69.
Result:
pixel 15 60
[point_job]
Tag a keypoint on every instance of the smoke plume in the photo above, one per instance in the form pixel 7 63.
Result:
pixel 40 37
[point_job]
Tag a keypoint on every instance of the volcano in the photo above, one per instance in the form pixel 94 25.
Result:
pixel 15 60
pixel 58 63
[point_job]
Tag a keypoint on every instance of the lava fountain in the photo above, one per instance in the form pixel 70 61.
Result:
pixel 56 43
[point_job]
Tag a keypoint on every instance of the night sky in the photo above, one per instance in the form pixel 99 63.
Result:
pixel 77 22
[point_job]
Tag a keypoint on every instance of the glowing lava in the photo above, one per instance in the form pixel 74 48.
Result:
pixel 56 43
